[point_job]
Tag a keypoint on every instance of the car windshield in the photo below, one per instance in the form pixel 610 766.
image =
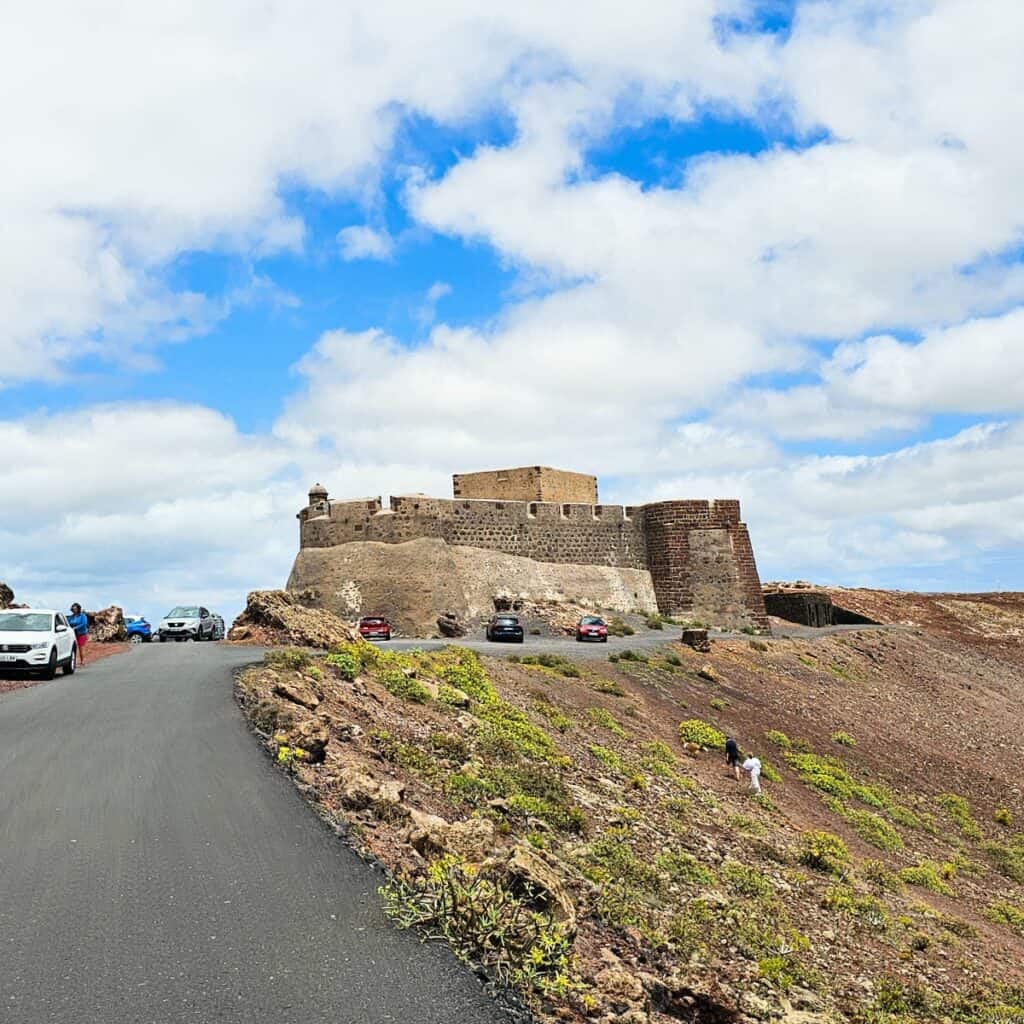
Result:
pixel 592 620
pixel 507 620
pixel 183 613
pixel 25 622
pixel 372 622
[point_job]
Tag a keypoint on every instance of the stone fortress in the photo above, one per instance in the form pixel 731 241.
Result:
pixel 532 534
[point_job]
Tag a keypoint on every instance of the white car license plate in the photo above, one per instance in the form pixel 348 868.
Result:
pixel 9 657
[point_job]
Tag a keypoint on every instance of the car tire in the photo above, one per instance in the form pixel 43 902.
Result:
pixel 70 666
pixel 579 639
pixel 135 638
pixel 604 639
pixel 51 668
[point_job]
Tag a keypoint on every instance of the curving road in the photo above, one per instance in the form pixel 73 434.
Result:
pixel 156 869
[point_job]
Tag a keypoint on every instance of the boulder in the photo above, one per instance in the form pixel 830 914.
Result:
pixel 620 986
pixel 472 839
pixel 525 870
pixel 311 735
pixel 709 673
pixel 6 596
pixel 298 691
pixel 448 624
pixel 697 639
pixel 361 791
pixel 107 626
pixel 276 617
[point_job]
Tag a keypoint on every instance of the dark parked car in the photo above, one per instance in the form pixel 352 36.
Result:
pixel 592 627
pixel 505 627
pixel 374 627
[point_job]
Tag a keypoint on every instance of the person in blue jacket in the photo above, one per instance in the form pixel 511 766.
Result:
pixel 78 621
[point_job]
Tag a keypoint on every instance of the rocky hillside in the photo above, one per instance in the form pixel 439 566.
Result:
pixel 573 827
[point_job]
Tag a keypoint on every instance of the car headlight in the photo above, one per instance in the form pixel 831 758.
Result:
pixel 39 647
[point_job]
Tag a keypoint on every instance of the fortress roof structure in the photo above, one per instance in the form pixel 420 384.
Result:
pixel 698 553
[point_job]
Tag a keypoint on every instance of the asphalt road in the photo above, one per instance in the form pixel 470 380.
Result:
pixel 155 868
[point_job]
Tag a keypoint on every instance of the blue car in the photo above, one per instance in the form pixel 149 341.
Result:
pixel 139 630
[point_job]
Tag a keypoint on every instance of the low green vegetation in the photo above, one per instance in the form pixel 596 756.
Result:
pixel 608 758
pixel 630 655
pixel 487 922
pixel 844 739
pixel 959 811
pixel 693 730
pixel 928 875
pixel 1008 858
pixel 555 662
pixel 344 663
pixel 293 658
pixel 654 621
pixel 874 830
pixel 674 660
pixel 405 687
pixel 609 686
pixel 606 720
pixel 1002 816
pixel 1003 912
pixel 717 704
pixel 557 718
pixel 778 739
pixel 823 851
pixel 616 627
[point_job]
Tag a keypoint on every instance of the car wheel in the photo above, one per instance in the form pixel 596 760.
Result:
pixel 51 668
pixel 71 665
pixel 579 639
pixel 135 638
pixel 604 639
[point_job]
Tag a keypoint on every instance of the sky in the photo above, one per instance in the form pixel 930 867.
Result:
pixel 721 248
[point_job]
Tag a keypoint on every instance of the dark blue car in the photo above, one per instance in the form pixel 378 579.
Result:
pixel 139 630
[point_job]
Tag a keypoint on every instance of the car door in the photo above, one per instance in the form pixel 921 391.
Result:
pixel 65 636
pixel 205 622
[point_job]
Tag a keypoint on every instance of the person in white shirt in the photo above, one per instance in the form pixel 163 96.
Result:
pixel 753 765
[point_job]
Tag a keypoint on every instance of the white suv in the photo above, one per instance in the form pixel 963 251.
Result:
pixel 37 640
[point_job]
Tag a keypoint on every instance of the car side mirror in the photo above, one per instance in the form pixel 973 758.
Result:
pixel 61 629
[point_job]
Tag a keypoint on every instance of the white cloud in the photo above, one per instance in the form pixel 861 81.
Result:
pixel 364 243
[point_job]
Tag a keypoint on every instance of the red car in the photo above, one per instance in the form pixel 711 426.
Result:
pixel 374 627
pixel 592 627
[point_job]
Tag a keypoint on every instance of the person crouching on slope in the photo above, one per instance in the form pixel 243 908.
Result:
pixel 753 765
pixel 78 621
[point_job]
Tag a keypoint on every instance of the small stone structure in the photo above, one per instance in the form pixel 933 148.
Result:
pixel 698 553
pixel 529 483
pixel 810 608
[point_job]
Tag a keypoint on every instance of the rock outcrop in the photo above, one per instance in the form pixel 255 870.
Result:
pixel 6 596
pixel 417 582
pixel 275 617
pixel 107 626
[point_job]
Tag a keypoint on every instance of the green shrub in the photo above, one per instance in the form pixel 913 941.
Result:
pixel 743 878
pixel 486 922
pixel 1002 816
pixel 874 830
pixel 657 758
pixel 825 774
pixel 718 704
pixel 674 660
pixel 654 621
pixel 461 668
pixel 559 720
pixel 610 686
pixel 608 758
pixel 293 658
pixel 613 657
pixel 769 772
pixel 928 875
pixel 684 868
pixel 630 655
pixel 398 684
pixel 844 739
pixel 506 732
pixel 450 745
pixel 878 875
pixel 787 971
pixel 844 900
pixel 344 664
pixel 1008 858
pixel 449 695
pixel 823 851
pixel 779 739
pixel 616 627
pixel 696 731
pixel 959 811
pixel 1006 913
pixel 604 719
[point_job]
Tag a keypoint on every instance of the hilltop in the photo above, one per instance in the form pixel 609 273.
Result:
pixel 545 817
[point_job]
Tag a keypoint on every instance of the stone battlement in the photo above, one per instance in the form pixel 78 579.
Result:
pixel 698 552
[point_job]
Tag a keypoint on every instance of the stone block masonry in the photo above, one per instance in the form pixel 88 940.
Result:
pixel 698 553
pixel 528 483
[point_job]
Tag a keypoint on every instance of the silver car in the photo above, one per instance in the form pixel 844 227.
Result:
pixel 187 622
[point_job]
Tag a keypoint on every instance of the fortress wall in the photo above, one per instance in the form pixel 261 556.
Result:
pixel 702 562
pixel 698 553
pixel 572 533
